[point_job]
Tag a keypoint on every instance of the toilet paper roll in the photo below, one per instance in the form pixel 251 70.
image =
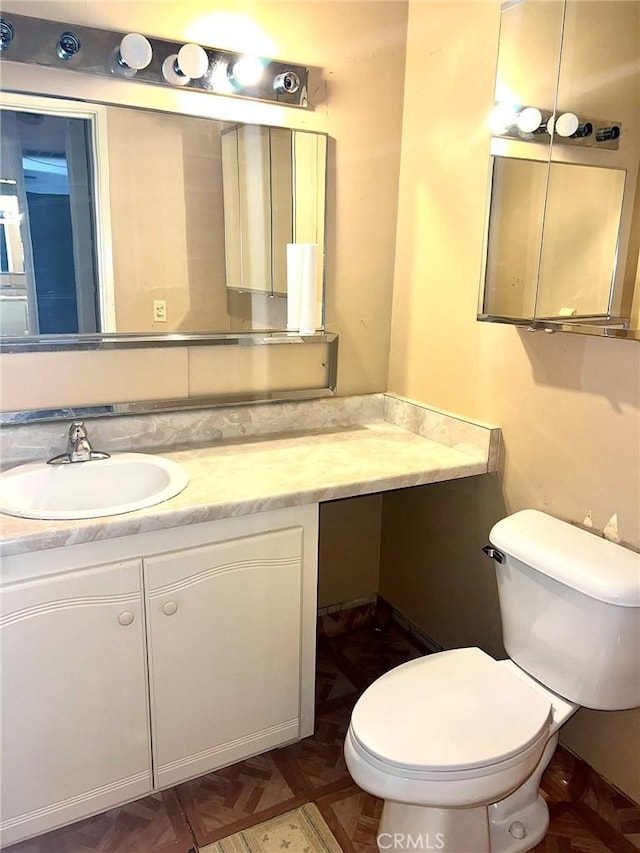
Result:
pixel 308 295
pixel 295 260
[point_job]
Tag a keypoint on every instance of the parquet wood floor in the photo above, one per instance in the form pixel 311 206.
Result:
pixel 587 815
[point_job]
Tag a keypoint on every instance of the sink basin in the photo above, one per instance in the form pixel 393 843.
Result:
pixel 122 483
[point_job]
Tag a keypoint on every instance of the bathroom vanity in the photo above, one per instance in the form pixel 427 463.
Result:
pixel 197 640
pixel 148 648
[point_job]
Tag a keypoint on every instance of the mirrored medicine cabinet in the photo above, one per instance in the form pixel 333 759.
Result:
pixel 563 213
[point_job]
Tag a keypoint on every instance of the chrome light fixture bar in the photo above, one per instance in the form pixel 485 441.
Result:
pixel 134 56
pixel 529 124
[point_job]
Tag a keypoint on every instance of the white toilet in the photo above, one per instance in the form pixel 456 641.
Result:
pixel 455 743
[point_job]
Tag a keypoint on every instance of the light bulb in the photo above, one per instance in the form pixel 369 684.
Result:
pixel 529 120
pixel 190 63
pixel 503 116
pixel 220 79
pixel 135 51
pixel 567 124
pixel 247 71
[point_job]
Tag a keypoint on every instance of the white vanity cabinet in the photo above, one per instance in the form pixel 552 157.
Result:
pixel 74 709
pixel 186 650
pixel 224 651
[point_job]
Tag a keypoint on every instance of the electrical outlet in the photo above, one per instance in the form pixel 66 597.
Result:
pixel 159 311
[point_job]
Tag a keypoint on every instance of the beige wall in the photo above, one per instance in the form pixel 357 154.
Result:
pixel 361 109
pixel 568 405
pixel 349 554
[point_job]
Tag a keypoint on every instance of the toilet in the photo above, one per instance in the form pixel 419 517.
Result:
pixel 456 743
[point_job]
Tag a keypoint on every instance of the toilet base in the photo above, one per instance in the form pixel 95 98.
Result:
pixel 515 824
pixel 420 828
pixel 518 822
pixel 532 820
pixel 479 830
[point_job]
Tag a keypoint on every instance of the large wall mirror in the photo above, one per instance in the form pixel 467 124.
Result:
pixel 563 210
pixel 116 220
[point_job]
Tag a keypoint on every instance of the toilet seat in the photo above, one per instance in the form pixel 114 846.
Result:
pixel 453 715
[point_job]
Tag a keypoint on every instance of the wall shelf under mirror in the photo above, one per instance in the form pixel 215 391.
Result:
pixel 563 209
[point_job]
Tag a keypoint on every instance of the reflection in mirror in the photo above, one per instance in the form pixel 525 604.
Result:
pixel 580 240
pixel 515 232
pixel 528 53
pixel 118 220
pixel 12 278
pixel 46 163
pixel 553 235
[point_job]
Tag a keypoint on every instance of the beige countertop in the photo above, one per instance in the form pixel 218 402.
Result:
pixel 264 472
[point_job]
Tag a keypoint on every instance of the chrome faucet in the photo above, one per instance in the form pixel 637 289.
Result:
pixel 78 447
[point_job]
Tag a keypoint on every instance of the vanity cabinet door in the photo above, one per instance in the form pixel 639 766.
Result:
pixel 224 624
pixel 75 734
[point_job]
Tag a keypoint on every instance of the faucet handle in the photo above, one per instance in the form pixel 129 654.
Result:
pixel 77 436
pixel 77 430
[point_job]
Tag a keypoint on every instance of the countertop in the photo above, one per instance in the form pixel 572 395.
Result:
pixel 260 473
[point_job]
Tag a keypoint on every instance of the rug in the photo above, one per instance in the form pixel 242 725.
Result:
pixel 302 830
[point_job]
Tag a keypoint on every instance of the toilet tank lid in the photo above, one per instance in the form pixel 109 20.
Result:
pixel 581 560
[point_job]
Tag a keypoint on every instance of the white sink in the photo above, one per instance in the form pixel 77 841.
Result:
pixel 122 483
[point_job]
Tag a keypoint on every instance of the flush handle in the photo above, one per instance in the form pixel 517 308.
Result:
pixel 492 552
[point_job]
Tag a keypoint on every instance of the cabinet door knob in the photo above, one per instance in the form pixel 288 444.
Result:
pixel 126 618
pixel 169 608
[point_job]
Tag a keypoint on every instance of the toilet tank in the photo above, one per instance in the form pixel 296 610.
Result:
pixel 570 604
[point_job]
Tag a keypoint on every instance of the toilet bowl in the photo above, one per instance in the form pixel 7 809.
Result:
pixel 455 743
pixel 468 731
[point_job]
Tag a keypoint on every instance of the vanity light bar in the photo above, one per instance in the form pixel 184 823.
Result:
pixel 109 53
pixel 529 124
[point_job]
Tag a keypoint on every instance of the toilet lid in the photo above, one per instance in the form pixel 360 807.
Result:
pixel 449 711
